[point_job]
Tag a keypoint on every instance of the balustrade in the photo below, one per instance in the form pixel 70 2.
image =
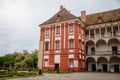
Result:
pixel 105 53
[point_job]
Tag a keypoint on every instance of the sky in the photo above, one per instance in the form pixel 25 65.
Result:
pixel 19 19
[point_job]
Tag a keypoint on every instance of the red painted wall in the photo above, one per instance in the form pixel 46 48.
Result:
pixel 64 51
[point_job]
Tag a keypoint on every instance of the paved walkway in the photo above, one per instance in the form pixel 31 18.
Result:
pixel 75 76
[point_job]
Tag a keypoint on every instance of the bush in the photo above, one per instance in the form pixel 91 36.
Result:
pixel 57 70
pixel 20 74
pixel 6 75
pixel 13 74
pixel 2 76
pixel 32 73
pixel 40 72
pixel 9 75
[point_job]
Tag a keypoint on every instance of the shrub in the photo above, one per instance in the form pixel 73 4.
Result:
pixel 20 74
pixel 2 76
pixel 32 73
pixel 13 74
pixel 40 72
pixel 57 70
pixel 6 75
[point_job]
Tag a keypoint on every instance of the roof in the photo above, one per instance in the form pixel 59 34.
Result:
pixel 108 16
pixel 62 15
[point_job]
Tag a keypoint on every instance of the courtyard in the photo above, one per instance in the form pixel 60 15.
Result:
pixel 75 76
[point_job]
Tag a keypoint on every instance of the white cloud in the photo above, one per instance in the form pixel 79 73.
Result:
pixel 19 19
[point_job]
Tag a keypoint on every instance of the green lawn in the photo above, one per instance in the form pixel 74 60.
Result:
pixel 17 74
pixel 13 74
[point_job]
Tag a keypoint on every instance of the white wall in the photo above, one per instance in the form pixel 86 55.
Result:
pixel 101 48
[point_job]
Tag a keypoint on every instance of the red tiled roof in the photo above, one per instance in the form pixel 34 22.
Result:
pixel 107 16
pixel 62 15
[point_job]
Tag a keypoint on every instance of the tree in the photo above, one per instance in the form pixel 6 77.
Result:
pixel 35 57
pixel 20 60
pixel 9 61
pixel 28 62
pixel 1 62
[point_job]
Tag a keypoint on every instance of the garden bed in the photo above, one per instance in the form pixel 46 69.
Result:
pixel 17 74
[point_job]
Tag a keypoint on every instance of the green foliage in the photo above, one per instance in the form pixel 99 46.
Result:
pixel 58 71
pixel 40 72
pixel 13 74
pixel 6 75
pixel 19 60
pixel 55 71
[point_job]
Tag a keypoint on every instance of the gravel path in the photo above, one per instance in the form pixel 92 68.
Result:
pixel 75 76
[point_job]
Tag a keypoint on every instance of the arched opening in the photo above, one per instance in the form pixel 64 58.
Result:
pixel 90 47
pixel 114 64
pixel 91 64
pixel 102 64
pixel 114 46
pixel 101 46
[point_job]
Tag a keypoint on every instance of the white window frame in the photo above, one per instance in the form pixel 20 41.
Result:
pixel 71 63
pixel 58 30
pixel 57 46
pixel 71 28
pixel 71 44
pixel 47 45
pixel 47 32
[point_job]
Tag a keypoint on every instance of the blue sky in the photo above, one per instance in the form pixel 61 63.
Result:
pixel 19 19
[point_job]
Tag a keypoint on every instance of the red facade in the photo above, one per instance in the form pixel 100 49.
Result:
pixel 63 45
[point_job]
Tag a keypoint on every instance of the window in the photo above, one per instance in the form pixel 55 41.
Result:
pixel 102 32
pixel 83 47
pixel 58 30
pixel 79 28
pixel 109 29
pixel 58 17
pixel 92 50
pixel 79 44
pixel 114 33
pixel 57 45
pixel 47 32
pixel 115 29
pixel 71 63
pixel 97 31
pixel 114 50
pixel 87 32
pixel 83 64
pixel 71 43
pixel 46 63
pixel 99 19
pixel 82 31
pixel 71 28
pixel 46 46
pixel 86 49
pixel 92 33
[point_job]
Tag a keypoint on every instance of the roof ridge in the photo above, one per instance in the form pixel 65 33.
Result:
pixel 104 11
pixel 107 16
pixel 62 15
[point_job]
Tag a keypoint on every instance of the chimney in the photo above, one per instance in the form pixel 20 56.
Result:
pixel 83 16
pixel 61 7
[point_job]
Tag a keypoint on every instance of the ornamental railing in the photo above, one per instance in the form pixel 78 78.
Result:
pixel 105 53
pixel 108 35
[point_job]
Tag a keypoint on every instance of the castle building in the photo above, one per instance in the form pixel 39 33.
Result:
pixel 84 43
pixel 102 39
pixel 62 43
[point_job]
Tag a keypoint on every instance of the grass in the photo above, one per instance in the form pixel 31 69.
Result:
pixel 13 74
pixel 55 71
pixel 17 74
